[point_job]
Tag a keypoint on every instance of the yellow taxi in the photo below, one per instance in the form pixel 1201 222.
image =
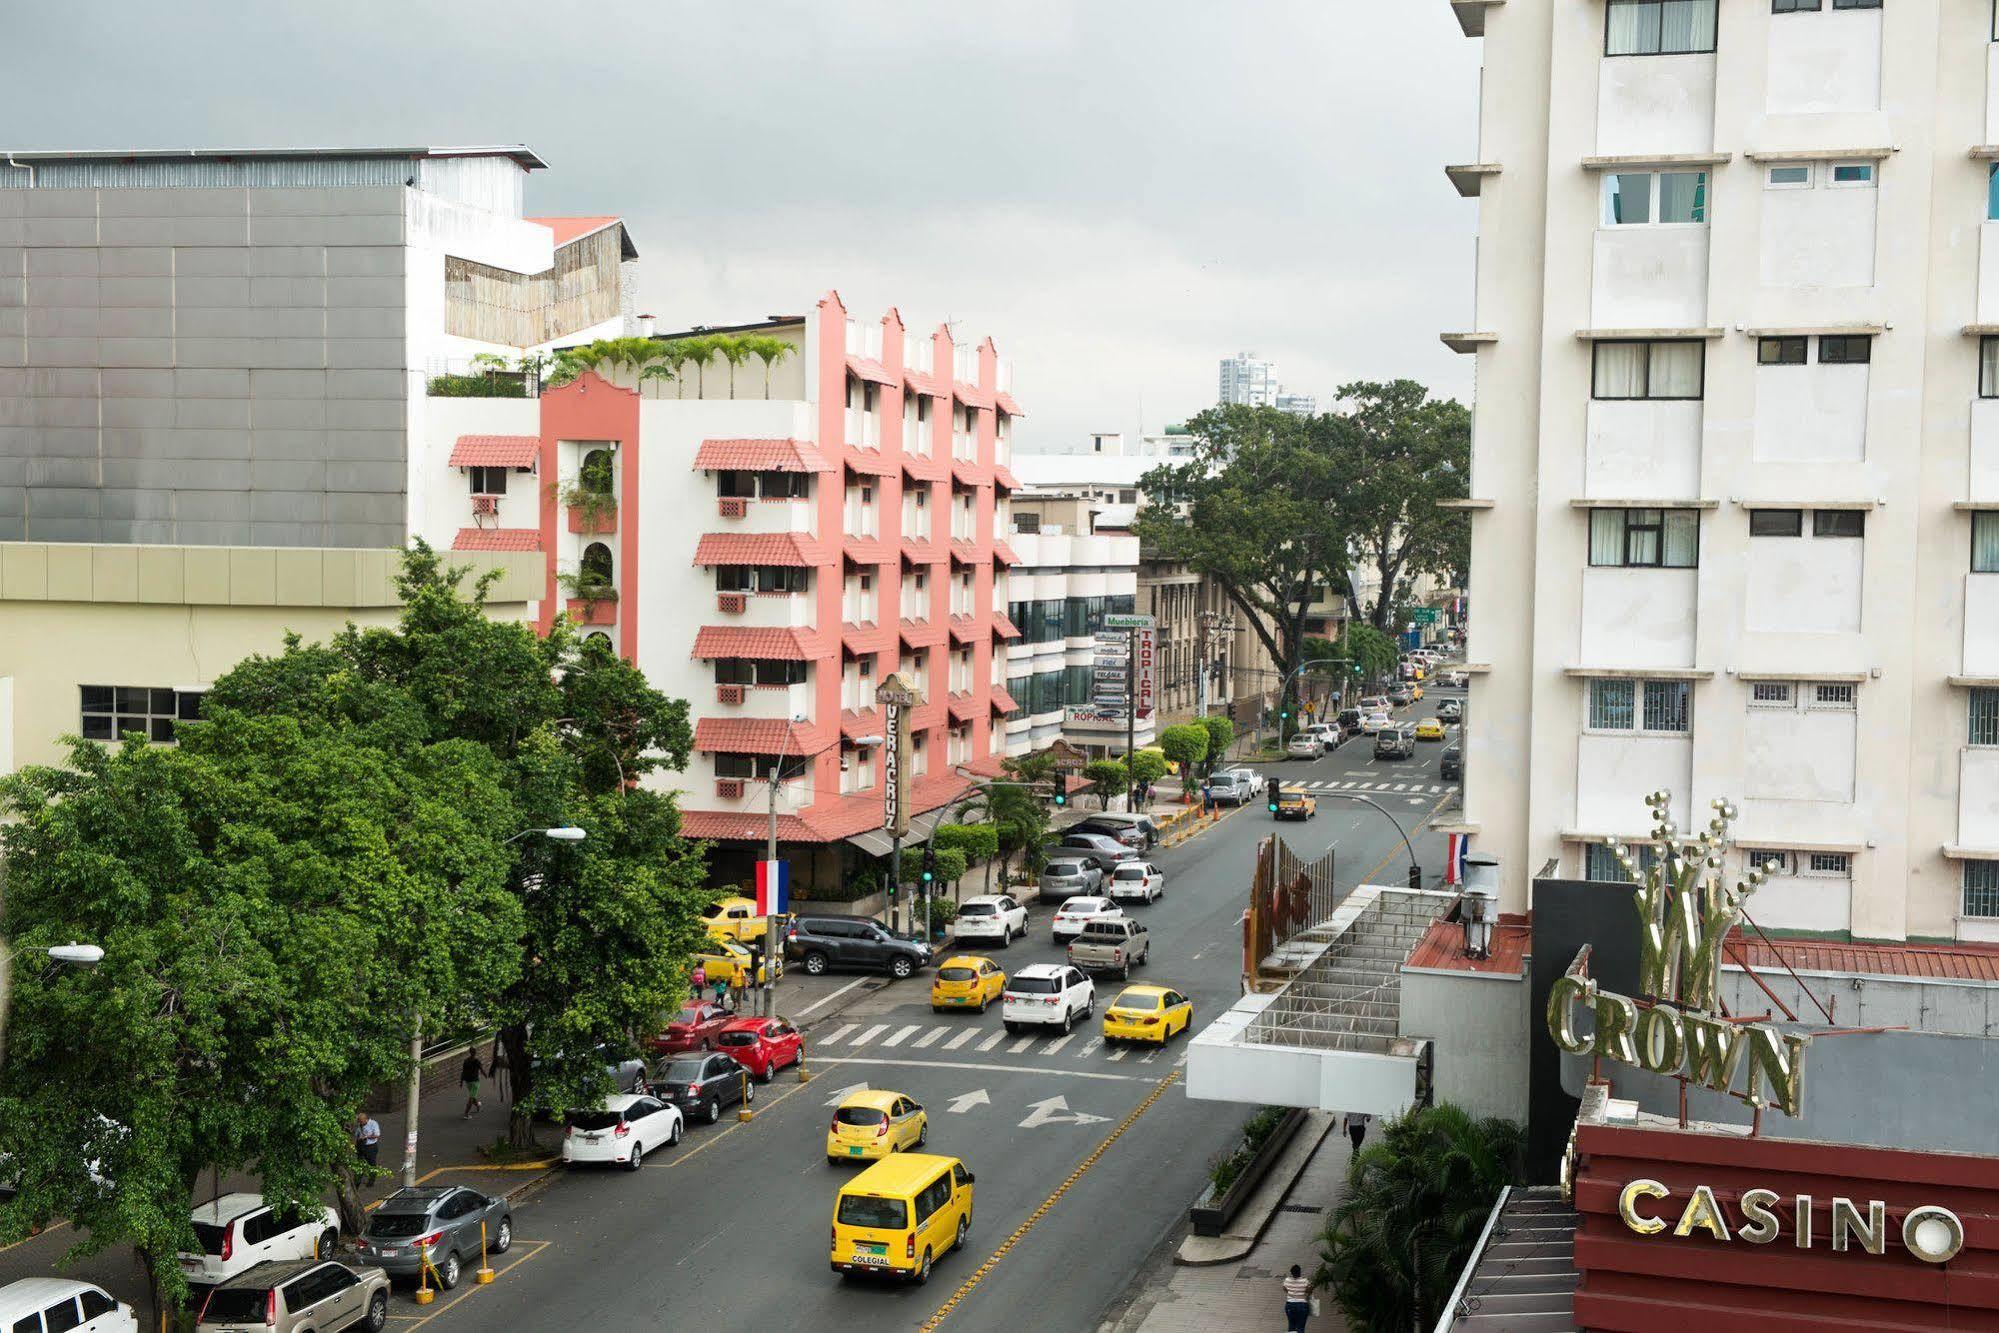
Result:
pixel 733 918
pixel 1147 1013
pixel 727 961
pixel 1415 691
pixel 899 1215
pixel 1429 729
pixel 873 1123
pixel 1293 803
pixel 966 981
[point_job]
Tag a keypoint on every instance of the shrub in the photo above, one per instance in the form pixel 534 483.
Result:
pixel 1109 778
pixel 477 386
pixel 1221 735
pixel 1148 766
pixel 1186 745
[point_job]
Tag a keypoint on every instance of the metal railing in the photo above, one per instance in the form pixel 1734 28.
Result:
pixel 1349 998
pixel 1287 897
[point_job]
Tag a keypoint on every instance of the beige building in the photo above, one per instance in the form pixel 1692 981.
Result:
pixel 98 640
pixel 1736 448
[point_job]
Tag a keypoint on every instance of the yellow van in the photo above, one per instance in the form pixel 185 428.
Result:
pixel 900 1214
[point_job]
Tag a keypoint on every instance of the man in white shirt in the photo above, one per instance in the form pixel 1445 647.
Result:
pixel 1356 1127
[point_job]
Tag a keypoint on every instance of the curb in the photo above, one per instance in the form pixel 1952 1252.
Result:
pixel 1254 1219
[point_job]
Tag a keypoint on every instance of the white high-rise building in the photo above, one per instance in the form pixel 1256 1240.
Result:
pixel 1735 468
pixel 1248 382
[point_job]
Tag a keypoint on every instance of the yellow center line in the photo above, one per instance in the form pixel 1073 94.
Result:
pixel 945 1310
pixel 48 1230
pixel 1409 842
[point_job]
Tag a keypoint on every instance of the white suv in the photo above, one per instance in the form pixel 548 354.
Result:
pixel 239 1231
pixel 1047 995
pixel 992 916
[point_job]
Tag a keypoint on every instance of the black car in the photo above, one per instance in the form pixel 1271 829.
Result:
pixel 702 1083
pixel 826 942
pixel 1348 722
pixel 1453 767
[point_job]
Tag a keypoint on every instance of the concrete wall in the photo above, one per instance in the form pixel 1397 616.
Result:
pixel 1811 413
pixel 1642 450
pixel 1477 1024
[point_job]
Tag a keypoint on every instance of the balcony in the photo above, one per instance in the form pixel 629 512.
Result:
pixel 592 611
pixel 771 610
pixel 774 702
pixel 590 522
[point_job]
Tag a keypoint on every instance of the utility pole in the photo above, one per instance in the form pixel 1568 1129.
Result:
pixel 415 1098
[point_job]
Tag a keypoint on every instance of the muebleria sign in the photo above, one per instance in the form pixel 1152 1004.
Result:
pixel 1685 911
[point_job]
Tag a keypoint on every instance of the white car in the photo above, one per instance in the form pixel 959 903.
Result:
pixel 56 1302
pixel 1137 879
pixel 1372 723
pixel 239 1231
pixel 991 917
pixel 1456 680
pixel 631 1125
pixel 1071 915
pixel 1233 786
pixel 1047 995
pixel 1305 746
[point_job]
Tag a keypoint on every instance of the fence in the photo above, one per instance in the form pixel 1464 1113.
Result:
pixel 1287 896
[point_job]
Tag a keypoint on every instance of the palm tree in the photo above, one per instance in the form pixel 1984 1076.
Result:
pixel 1416 1200
pixel 735 351
pixel 769 350
pixel 634 352
pixel 675 353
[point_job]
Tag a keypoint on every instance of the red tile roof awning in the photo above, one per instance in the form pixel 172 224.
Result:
pixel 967 473
pixel 920 633
pixel 926 384
pixel 495 451
pixel 1004 479
pixel 866 722
pixel 925 468
pixel 760 456
pixel 964 628
pixel 783 645
pixel 921 552
pixel 1003 628
pixel 826 821
pixel 1005 403
pixel 865 551
pixel 963 707
pixel 755 735
pixel 863 637
pixel 759 548
pixel 497 539
pixel 1954 962
pixel 971 394
pixel 965 553
pixel 729 826
pixel 1003 554
pixel 1003 701
pixel 867 368
pixel 868 462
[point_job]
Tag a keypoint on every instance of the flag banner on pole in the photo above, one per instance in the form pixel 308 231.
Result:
pixel 773 888
pixel 1454 857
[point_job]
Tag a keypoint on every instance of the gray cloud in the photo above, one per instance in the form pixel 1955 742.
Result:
pixel 1119 192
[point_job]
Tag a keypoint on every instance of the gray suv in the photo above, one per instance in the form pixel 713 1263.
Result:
pixel 297 1294
pixel 442 1218
pixel 1069 877
pixel 824 942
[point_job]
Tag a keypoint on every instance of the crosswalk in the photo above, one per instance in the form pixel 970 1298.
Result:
pixel 1406 788
pixel 946 1037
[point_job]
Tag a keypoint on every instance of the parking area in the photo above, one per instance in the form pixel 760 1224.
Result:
pixel 404 1312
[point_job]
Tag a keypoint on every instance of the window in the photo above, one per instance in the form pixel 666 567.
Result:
pixel 1985 542
pixel 595 565
pixel 759 578
pixel 595 474
pixel 736 766
pixel 758 671
pixel 1828 865
pixel 1659 538
pixel 1988 367
pixel 1641 197
pixel 1666 706
pixel 1789 177
pixel 1984 718
pixel 1845 349
pixel 259 1227
pixel 1649 369
pixel 1600 863
pixel 1981 888
pixel 1794 6
pixel 1856 4
pixel 1852 173
pixel 1839 522
pixel 736 485
pixel 1658 27
pixel 109 711
pixel 1776 522
pixel 489 481
pixel 1992 189
pixel 1027 523
pixel 1837 698
pixel 61 1317
pixel 1610 704
pixel 95 1303
pixel 1780 351
pixel 1770 694
pixel 1774 861
pixel 1615 705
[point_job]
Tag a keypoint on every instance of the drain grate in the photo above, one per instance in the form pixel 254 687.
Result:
pixel 1300 1208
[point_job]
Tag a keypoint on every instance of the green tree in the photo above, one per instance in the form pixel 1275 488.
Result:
pixel 1221 735
pixel 606 353
pixel 769 350
pixel 1375 651
pixel 1147 766
pixel 978 844
pixel 1417 1198
pixel 1186 745
pixel 1108 777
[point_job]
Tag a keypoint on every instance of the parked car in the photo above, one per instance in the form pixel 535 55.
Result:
pixel 966 981
pixel 826 942
pixel 1136 879
pixel 37 1303
pixel 1129 834
pixel 627 1072
pixel 1233 786
pixel 1118 822
pixel 1305 745
pixel 1452 769
pixel 1394 742
pixel 1451 710
pixel 1457 680
pixel 694 1028
pixel 991 916
pixel 726 960
pixel 1071 915
pixel 871 1123
pixel 1064 876
pixel 295 1296
pixel 1115 944
pixel 701 1085
pixel 240 1231
pixel 1292 803
pixel 1103 851
pixel 628 1126
pixel 1045 995
pixel 761 1045
pixel 733 918
pixel 1348 722
pixel 444 1219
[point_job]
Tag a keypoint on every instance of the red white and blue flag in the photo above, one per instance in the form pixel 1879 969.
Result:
pixel 773 888
pixel 1454 857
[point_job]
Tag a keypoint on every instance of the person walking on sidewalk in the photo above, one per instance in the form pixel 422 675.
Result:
pixel 468 1074
pixel 1207 798
pixel 367 1138
pixel 1297 1300
pixel 1356 1127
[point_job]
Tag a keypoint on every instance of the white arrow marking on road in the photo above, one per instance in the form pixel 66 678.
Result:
pixel 845 1093
pixel 1055 1111
pixel 960 1105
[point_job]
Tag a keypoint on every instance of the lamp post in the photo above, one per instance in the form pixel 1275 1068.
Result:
pixel 766 998
pixel 71 954
pixel 1415 871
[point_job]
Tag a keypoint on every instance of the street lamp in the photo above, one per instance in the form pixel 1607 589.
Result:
pixel 1415 871
pixel 71 954
pixel 560 833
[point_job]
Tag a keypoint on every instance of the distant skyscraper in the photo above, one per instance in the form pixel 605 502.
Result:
pixel 1297 404
pixel 1247 381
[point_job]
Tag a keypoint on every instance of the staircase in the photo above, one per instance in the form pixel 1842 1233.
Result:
pixel 1344 990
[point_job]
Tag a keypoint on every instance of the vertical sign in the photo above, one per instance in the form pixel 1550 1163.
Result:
pixel 894 697
pixel 1145 652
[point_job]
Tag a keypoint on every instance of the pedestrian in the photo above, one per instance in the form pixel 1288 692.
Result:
pixel 1356 1127
pixel 468 1074
pixel 700 980
pixel 367 1138
pixel 1297 1300
pixel 1207 798
pixel 721 986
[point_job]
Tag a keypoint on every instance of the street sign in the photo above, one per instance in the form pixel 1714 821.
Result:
pixel 1145 653
pixel 1426 615
pixel 894 697
pixel 1068 759
pixel 1131 622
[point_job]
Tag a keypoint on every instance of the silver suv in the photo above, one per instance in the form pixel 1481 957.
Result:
pixel 443 1220
pixel 1116 945
pixel 1069 877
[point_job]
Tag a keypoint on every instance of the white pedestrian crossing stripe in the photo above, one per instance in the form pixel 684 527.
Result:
pixel 1119 1054
pixel 843 1030
pixel 993 1040
pixel 961 1039
pixel 871 1034
pixel 1091 1049
pixel 900 1037
pixel 1020 1046
pixel 928 1038
pixel 1058 1044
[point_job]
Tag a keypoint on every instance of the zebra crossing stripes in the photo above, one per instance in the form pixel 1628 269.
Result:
pixel 871 1034
pixel 1408 788
pixel 952 1044
pixel 843 1030
pixel 918 1036
pixel 993 1040
pixel 1020 1046
pixel 1058 1043
pixel 901 1036
pixel 927 1038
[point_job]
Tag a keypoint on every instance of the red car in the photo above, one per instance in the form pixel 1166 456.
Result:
pixel 761 1045
pixel 694 1028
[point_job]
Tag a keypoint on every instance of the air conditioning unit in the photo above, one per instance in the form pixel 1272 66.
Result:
pixel 729 694
pixel 733 506
pixel 485 504
pixel 729 789
pixel 732 602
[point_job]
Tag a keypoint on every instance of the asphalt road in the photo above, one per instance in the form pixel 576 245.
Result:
pixel 730 1230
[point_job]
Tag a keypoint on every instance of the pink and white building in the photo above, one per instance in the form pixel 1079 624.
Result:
pixel 776 540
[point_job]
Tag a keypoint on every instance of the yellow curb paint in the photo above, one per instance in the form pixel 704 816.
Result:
pixel 979 1275
pixel 470 1292
pixel 48 1230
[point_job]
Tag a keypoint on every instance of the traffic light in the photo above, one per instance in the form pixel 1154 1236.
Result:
pixel 1270 794
pixel 1061 794
pixel 929 863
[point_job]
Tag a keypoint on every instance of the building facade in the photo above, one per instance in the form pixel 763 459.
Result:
pixel 1247 381
pixel 1734 464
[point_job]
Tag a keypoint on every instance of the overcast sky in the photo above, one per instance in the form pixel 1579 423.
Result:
pixel 1121 192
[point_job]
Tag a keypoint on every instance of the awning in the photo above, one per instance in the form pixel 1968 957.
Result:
pixel 971 394
pixel 965 553
pixel 869 462
pixel 963 707
pixel 1004 554
pixel 1005 403
pixel 875 842
pixel 921 552
pixel 967 473
pixel 495 451
pixel 926 384
pixel 1004 478
pixel 867 368
pixel 865 551
pixel 754 735
pixel 923 467
pixel 964 628
pixel 760 456
pixel 758 548
pixel 1003 702
pixel 497 539
pixel 783 645
pixel 1004 628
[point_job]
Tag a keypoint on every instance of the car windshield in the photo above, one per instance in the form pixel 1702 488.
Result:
pixel 977 909
pixel 866 1117
pixel 683 1071
pixel 1129 1001
pixel 232 1305
pixel 736 1039
pixel 210 1236
pixel 1033 986
pixel 867 1210
pixel 1082 906
pixel 392 1225
pixel 1064 869
pixel 1130 871
pixel 955 974
pixel 593 1119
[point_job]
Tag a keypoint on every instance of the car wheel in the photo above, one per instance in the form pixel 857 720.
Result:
pixel 1012 1028
pixel 1124 971
pixel 378 1312
pixel 713 1110
pixel 964 1225
pixel 447 1275
pixel 329 1241
pixel 815 964
pixel 503 1239
pixel 1006 938
pixel 749 1093
pixel 923 1273
pixel 673 1135
pixel 901 968
pixel 638 1157
pixel 1090 1005
pixel 769 1071
pixel 923 1134
pixel 1068 1019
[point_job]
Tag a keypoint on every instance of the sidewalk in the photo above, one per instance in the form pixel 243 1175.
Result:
pixel 1248 1294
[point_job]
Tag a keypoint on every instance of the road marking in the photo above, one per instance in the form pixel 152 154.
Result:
pixel 1055 1111
pixel 475 1288
pixel 1119 1054
pixel 828 999
pixel 928 1038
pixel 838 1033
pixel 1148 1057
pixel 983 1068
pixel 961 1039
pixel 1019 1046
pixel 992 1041
pixel 962 1104
pixel 870 1034
pixel 901 1036
pixel 709 1141
pixel 846 1092
pixel 979 1275
pixel 1095 1042
pixel 1058 1044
